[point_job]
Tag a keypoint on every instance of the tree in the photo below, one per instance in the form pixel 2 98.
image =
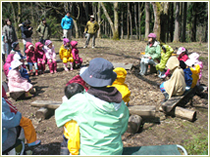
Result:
pixel 157 10
pixel 184 22
pixel 114 26
pixel 141 10
pixel 147 21
pixel 177 23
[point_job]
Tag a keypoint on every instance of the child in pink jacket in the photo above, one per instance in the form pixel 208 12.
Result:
pixel 8 64
pixel 41 57
pixel 75 52
pixel 51 56
pixel 31 58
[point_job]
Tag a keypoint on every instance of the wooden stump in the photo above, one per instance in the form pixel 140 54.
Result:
pixel 43 113
pixel 46 103
pixel 143 111
pixel 16 95
pixel 134 124
pixel 185 113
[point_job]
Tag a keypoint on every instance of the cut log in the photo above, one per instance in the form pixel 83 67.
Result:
pixel 46 103
pixel 185 114
pixel 134 124
pixel 171 103
pixel 16 95
pixel 126 66
pixel 43 113
pixel 143 111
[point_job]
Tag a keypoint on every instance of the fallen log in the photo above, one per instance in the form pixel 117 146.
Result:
pixel 46 103
pixel 185 114
pixel 134 124
pixel 43 113
pixel 126 66
pixel 143 111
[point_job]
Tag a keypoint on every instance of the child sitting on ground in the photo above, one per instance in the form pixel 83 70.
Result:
pixel 165 55
pixel 75 52
pixel 25 123
pixel 66 55
pixel 16 82
pixel 71 135
pixel 182 56
pixel 119 83
pixel 196 67
pixel 51 56
pixel 41 57
pixel 187 74
pixel 176 84
pixel 31 58
pixel 79 80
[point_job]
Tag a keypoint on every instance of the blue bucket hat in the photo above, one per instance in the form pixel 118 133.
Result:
pixel 99 73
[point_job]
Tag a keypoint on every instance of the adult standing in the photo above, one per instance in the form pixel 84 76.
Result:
pixel 44 31
pixel 67 25
pixel 152 54
pixel 26 32
pixel 9 35
pixel 101 114
pixel 91 29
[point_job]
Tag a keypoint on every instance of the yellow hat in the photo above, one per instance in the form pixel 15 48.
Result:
pixel 121 72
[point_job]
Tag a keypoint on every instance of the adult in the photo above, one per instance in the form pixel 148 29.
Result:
pixel 91 29
pixel 152 54
pixel 26 33
pixel 67 25
pixel 100 113
pixel 9 35
pixel 44 31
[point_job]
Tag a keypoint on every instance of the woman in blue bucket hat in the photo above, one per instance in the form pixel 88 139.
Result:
pixel 100 112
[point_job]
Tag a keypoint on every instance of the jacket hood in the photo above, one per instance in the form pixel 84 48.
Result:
pixel 172 63
pixel 156 43
pixel 28 44
pixel 37 45
pixel 73 43
pixel 9 58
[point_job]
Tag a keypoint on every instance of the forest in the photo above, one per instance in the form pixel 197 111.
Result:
pixel 171 21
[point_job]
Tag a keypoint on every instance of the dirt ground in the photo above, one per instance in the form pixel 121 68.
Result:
pixel 144 91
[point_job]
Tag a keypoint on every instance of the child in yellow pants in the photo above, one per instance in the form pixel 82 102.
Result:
pixel 66 55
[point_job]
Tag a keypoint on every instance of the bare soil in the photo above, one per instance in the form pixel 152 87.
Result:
pixel 144 91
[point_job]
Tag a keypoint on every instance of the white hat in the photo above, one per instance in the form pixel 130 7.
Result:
pixel 92 16
pixel 15 64
pixel 189 62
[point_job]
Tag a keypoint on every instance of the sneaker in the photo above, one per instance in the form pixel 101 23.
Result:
pixel 51 71
pixel 37 142
pixel 64 151
pixel 66 69
pixel 93 47
pixel 85 47
pixel 141 74
pixel 71 69
pixel 163 76
pixel 36 73
pixel 55 71
pixel 28 95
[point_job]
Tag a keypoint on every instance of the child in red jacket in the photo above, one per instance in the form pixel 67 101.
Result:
pixel 41 57
pixel 75 52
pixel 31 58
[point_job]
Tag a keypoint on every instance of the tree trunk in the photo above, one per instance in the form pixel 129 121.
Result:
pixel 32 14
pixel 85 5
pixel 177 23
pixel 14 17
pixel 194 20
pixel 121 25
pixel 164 22
pixel 106 29
pixel 140 15
pixel 130 19
pixel 135 19
pixel 147 21
pixel 114 27
pixel 99 20
pixel 128 32
pixel 184 22
pixel 156 28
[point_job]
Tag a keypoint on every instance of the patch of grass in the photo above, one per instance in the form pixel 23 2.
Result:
pixel 197 146
pixel 203 58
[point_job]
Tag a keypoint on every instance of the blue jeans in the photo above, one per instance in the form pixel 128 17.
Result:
pixel 31 66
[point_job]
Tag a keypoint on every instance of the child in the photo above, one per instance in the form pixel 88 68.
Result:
pixel 71 137
pixel 165 54
pixel 119 83
pixel 187 75
pixel 152 54
pixel 8 64
pixel 176 84
pixel 31 58
pixel 66 55
pixel 25 123
pixel 16 82
pixel 75 52
pixel 182 52
pixel 41 57
pixel 196 68
pixel 79 80
pixel 3 49
pixel 51 56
